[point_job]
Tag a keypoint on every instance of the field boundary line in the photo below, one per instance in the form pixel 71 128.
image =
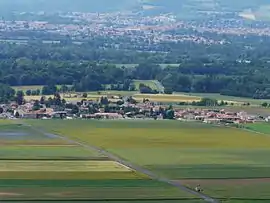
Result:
pixel 132 166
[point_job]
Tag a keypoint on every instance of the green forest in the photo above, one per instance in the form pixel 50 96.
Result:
pixel 239 68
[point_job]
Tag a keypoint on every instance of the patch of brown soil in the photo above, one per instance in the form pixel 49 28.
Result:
pixel 61 194
pixel 9 194
pixel 194 182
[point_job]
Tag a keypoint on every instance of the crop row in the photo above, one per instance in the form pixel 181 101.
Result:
pixel 53 175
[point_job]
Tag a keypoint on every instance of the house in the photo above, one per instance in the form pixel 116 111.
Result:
pixel 37 114
pixel 211 120
pixel 109 115
pixel 102 116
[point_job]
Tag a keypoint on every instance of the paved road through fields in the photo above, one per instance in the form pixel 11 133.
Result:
pixel 132 166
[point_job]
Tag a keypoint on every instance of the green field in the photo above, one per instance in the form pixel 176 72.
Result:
pixel 182 152
pixel 228 98
pixel 153 84
pixel 166 98
pixel 263 127
pixel 25 88
pixel 36 165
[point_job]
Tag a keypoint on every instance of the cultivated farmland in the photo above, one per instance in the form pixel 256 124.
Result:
pixel 230 164
pixel 39 165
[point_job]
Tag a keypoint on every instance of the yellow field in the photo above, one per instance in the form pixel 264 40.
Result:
pixel 64 166
pixel 166 98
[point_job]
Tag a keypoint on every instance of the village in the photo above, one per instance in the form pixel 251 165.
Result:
pixel 118 107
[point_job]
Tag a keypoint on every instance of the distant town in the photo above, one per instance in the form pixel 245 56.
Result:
pixel 132 26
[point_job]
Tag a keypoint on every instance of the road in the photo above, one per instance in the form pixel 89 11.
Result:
pixel 132 166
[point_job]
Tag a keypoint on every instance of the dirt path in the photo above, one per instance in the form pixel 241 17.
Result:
pixel 133 166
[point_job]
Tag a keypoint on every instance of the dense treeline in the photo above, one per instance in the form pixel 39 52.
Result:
pixel 6 93
pixel 132 50
pixel 235 79
pixel 239 69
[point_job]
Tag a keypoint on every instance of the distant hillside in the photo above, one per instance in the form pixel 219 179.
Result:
pixel 193 8
pixel 229 5
pixel 66 5
pixel 251 9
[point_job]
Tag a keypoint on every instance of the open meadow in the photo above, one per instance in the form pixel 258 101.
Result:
pixel 39 165
pixel 262 127
pixel 239 100
pixel 230 164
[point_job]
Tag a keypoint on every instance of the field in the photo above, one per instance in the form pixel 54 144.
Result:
pixel 230 164
pixel 25 88
pixel 166 98
pixel 260 127
pixel 153 84
pixel 163 65
pixel 228 98
pixel 39 165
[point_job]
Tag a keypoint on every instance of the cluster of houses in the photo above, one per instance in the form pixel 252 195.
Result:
pixel 216 116
pixel 89 109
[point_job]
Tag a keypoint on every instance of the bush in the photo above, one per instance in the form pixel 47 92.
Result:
pixel 85 95
pixel 28 92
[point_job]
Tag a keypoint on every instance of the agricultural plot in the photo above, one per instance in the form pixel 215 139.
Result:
pixel 25 88
pixel 36 165
pixel 259 127
pixel 227 162
pixel 153 84
pixel 166 98
pixel 236 100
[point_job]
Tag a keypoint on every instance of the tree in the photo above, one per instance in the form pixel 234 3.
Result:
pixel 126 85
pixel 19 97
pixel 208 102
pixel 49 89
pixel 38 92
pixel 6 93
pixel 17 115
pixel 169 114
pixel 36 105
pixel 132 87
pixel 264 104
pixel 84 95
pixel 75 109
pixel 57 99
pixel 28 92
pixel 106 109
pixel 64 88
pixel 104 101
pixel 42 100
pixel 222 103
pixel 34 92
pixel 49 102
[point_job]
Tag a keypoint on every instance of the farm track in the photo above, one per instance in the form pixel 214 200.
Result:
pixel 131 166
